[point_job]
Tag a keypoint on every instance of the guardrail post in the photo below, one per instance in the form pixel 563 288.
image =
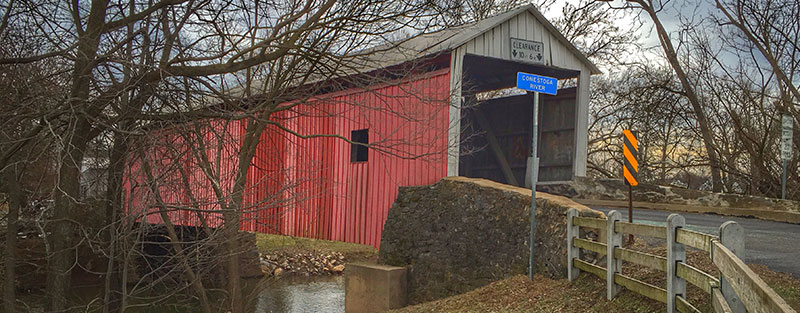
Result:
pixel 572 251
pixel 613 265
pixel 731 235
pixel 676 252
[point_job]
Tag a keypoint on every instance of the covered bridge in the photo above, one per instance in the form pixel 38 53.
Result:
pixel 445 121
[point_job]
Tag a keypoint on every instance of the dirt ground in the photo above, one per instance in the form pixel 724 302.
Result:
pixel 588 293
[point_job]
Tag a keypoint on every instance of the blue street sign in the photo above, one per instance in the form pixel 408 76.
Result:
pixel 537 83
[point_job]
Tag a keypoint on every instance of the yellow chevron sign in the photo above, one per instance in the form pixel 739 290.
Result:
pixel 630 150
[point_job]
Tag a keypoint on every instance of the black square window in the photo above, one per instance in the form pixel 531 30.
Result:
pixel 358 149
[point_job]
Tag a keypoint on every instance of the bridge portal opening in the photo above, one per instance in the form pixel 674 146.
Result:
pixel 497 123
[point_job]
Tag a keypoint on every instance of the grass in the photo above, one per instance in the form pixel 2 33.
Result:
pixel 268 243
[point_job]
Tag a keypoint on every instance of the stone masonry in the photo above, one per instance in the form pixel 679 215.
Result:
pixel 462 233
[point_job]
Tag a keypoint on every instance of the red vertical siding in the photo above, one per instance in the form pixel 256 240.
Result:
pixel 410 119
pixel 309 187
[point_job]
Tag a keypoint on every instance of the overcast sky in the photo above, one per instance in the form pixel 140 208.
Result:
pixel 669 16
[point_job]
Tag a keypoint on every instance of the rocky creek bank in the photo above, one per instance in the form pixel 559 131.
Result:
pixel 280 255
pixel 308 263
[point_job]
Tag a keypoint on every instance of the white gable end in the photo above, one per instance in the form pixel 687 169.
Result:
pixel 496 42
pixel 491 38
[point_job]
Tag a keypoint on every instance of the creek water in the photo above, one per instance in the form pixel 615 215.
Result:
pixel 302 294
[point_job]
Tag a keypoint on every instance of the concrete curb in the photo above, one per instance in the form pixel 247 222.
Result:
pixel 763 214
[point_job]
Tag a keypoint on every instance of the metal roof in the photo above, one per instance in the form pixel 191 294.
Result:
pixel 419 47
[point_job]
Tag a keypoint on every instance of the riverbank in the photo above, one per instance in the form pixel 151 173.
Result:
pixel 290 256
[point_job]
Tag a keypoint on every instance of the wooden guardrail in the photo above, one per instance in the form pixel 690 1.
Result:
pixel 737 289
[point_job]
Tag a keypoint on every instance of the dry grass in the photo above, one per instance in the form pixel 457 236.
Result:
pixel 784 284
pixel 588 293
pixel 519 294
pixel 286 244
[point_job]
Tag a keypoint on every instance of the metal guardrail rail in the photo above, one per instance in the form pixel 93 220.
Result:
pixel 737 290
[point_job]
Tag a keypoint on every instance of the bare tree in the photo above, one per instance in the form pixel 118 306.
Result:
pixel 740 99
pixel 645 98
pixel 750 97
pixel 128 60
pixel 29 92
pixel 773 28
pixel 459 12
pixel 652 8
pixel 593 28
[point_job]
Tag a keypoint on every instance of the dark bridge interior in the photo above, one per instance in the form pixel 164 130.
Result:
pixel 496 133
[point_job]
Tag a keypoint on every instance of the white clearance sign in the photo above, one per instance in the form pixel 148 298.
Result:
pixel 527 51
pixel 786 137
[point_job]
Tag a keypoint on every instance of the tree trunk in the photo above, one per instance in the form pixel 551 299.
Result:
pixel 232 217
pixel 62 228
pixel 702 120
pixel 114 211
pixel 664 149
pixel 75 141
pixel 175 241
pixel 15 202
pixel 231 237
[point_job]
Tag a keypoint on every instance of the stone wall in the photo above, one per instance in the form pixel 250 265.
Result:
pixel 462 233
pixel 615 189
pixel 611 192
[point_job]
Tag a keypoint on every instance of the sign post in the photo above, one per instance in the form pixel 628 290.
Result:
pixel 630 169
pixel 536 84
pixel 787 124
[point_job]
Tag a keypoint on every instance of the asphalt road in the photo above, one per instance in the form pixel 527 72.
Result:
pixel 774 244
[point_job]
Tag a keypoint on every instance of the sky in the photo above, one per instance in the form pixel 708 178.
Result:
pixel 669 17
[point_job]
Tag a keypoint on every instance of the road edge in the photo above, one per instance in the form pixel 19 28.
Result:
pixel 763 214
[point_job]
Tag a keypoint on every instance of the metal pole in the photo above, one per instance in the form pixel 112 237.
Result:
pixel 534 178
pixel 630 212
pixel 783 181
